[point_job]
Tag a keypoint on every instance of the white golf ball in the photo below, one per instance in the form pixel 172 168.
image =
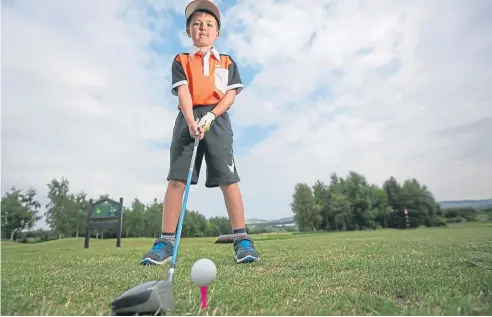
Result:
pixel 203 272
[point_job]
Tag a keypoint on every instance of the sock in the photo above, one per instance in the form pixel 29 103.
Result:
pixel 169 236
pixel 241 232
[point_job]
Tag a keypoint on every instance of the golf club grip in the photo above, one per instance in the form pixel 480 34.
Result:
pixel 183 206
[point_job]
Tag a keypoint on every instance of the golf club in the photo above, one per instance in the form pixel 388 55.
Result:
pixel 156 297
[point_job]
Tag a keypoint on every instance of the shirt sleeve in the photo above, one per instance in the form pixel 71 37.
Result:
pixel 178 76
pixel 234 77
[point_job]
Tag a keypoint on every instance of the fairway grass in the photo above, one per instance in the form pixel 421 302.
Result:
pixel 436 271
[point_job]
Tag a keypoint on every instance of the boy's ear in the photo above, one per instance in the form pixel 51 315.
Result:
pixel 188 32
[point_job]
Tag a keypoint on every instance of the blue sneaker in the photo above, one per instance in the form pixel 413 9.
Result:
pixel 160 253
pixel 245 250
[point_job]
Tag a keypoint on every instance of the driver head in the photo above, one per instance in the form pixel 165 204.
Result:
pixel 152 297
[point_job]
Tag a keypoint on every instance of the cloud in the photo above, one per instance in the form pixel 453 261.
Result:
pixel 83 100
pixel 393 77
pixel 383 88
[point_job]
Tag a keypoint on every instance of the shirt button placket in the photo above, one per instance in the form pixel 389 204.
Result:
pixel 206 66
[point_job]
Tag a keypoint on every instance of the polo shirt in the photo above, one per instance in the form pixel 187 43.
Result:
pixel 209 75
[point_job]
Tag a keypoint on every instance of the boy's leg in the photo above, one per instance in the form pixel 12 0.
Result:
pixel 234 205
pixel 181 152
pixel 243 245
pixel 221 171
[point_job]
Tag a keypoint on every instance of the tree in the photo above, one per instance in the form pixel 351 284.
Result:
pixel 134 220
pixel 342 210
pixel 351 203
pixel 19 211
pixel 153 218
pixel 59 214
pixel 220 225
pixel 380 210
pixel 80 205
pixel 194 224
pixel 321 197
pixel 393 191
pixel 358 193
pixel 419 202
pixel 307 213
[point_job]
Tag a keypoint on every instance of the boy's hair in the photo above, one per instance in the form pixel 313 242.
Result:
pixel 202 11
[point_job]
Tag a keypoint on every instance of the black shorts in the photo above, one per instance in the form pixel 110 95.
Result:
pixel 216 147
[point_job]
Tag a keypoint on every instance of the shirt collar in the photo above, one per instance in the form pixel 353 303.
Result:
pixel 213 50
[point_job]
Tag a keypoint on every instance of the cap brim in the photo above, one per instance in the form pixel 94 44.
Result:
pixel 202 5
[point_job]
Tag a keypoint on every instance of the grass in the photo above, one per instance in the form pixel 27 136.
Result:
pixel 436 271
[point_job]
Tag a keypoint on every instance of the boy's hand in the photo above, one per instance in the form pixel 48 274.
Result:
pixel 206 121
pixel 195 130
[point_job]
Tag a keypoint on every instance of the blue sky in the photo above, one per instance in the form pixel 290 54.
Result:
pixel 382 88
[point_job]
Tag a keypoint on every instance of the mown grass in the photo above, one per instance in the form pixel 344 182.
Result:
pixel 438 271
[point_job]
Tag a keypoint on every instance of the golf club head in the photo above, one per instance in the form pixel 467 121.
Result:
pixel 149 298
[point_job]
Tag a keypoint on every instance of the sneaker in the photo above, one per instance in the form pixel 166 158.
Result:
pixel 245 250
pixel 160 253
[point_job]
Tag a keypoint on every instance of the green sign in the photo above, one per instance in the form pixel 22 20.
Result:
pixel 104 214
pixel 105 209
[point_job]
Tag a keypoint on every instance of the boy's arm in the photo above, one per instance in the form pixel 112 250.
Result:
pixel 180 88
pixel 185 103
pixel 234 87
pixel 225 103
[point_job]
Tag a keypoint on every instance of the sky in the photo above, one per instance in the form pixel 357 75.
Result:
pixel 384 88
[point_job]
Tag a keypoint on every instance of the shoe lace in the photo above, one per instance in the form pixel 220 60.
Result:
pixel 157 247
pixel 246 244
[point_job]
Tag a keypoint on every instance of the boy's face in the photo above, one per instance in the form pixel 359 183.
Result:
pixel 203 29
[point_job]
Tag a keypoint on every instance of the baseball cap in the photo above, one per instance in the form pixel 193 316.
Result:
pixel 202 5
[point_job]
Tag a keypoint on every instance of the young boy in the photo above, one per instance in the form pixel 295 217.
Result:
pixel 206 83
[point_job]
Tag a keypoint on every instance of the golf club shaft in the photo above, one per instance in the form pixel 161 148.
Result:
pixel 183 209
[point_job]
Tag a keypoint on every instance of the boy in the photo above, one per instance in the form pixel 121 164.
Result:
pixel 206 83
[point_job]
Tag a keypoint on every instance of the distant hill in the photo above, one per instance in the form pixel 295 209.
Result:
pixel 276 222
pixel 255 221
pixel 479 204
pixel 282 221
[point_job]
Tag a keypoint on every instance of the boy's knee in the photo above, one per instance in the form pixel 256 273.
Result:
pixel 176 185
pixel 230 187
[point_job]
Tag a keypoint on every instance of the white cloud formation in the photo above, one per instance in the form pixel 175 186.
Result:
pixel 84 98
pixel 381 87
pixel 378 119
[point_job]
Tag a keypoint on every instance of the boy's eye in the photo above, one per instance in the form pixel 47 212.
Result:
pixel 199 23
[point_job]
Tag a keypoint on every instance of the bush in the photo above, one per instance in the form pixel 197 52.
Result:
pixel 456 220
pixel 291 229
pixel 435 221
pixel 30 240
pixel 482 217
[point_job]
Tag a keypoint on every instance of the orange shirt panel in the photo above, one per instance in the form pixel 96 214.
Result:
pixel 205 89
